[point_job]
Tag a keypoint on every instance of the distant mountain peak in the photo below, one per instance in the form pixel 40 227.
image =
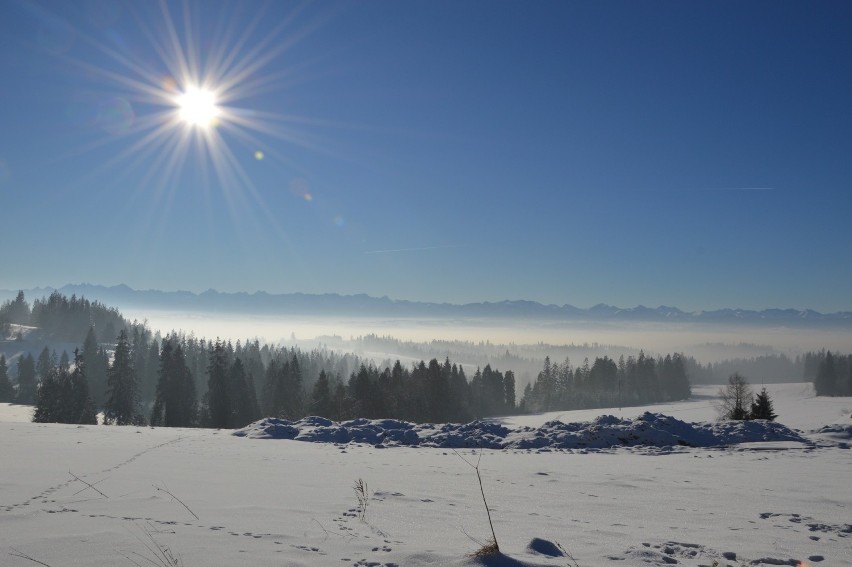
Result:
pixel 361 304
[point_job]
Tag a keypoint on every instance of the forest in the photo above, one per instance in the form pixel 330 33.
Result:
pixel 136 376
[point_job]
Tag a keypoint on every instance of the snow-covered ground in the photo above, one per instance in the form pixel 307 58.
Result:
pixel 214 498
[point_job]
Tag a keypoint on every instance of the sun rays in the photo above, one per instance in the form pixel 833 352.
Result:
pixel 191 100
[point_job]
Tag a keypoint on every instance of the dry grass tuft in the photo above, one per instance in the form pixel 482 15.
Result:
pixel 158 555
pixel 489 548
pixel 363 496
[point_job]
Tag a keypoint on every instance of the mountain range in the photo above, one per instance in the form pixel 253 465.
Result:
pixel 329 304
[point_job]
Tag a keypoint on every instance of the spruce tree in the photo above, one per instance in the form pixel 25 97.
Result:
pixel 527 402
pixel 361 392
pixel 65 361
pixel 437 391
pixel 509 388
pixel 6 392
pixel 79 404
pixel 340 402
pixel 48 401
pixel 761 407
pixel 19 310
pixel 244 400
pixel 27 384
pixel 46 364
pixel 321 398
pixel 219 399
pixel 121 396
pixel 175 402
pixel 52 388
pixel 269 405
pixel 96 368
pixel 295 393
pixel 825 382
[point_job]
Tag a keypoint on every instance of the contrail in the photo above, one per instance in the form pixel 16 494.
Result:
pixel 418 249
pixel 738 189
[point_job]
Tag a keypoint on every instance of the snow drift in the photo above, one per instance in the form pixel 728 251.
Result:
pixel 606 431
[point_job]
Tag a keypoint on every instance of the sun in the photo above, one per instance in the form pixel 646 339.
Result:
pixel 197 107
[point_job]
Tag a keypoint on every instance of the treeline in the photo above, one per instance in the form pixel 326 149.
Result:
pixel 63 394
pixel 32 372
pixel 830 372
pixel 180 380
pixel 764 368
pixel 632 381
pixel 242 383
pixel 139 377
pixel 61 318
pixel 433 392
pixel 291 384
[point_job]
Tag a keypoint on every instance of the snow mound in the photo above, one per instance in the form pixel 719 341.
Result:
pixel 836 434
pixel 839 431
pixel 607 431
pixel 545 547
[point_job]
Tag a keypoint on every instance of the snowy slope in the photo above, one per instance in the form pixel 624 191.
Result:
pixel 259 502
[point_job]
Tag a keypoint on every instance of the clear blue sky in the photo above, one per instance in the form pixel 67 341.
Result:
pixel 696 154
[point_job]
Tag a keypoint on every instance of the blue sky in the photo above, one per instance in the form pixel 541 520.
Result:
pixel 692 154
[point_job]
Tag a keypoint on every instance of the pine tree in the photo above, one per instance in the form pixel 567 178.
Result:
pixel 19 310
pixel 493 391
pixel 361 393
pixel 682 390
pixel 96 368
pixel 79 403
pixel 340 402
pixel 295 398
pixel 46 364
pixel 64 361
pixel 219 399
pixel 459 395
pixel 121 395
pixel 437 392
pixel 761 407
pixel 321 398
pixel 509 389
pixel 527 402
pixel 27 384
pixel 244 400
pixel 825 382
pixel 48 401
pixel 175 403
pixel 63 395
pixel 52 386
pixel 6 392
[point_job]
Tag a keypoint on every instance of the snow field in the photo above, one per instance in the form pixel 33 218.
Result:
pixel 277 502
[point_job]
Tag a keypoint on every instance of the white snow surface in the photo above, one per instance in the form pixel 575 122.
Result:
pixel 98 495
